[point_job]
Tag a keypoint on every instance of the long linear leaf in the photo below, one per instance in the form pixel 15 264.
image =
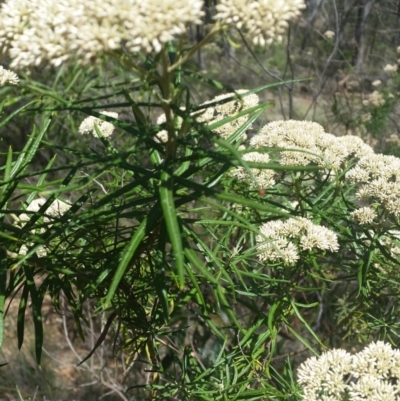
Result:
pixel 36 312
pixel 199 265
pixel 301 318
pixel 21 316
pixel 9 117
pixel 126 257
pixel 101 338
pixel 22 163
pixel 29 152
pixel 229 197
pixel 171 221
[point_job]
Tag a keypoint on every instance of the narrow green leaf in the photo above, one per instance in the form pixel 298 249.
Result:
pixel 271 316
pixel 300 317
pixel 22 162
pixel 201 301
pixel 158 270
pixel 8 167
pixel 101 338
pixel 40 182
pixel 229 197
pixel 171 221
pixel 13 114
pixel 36 312
pixel 126 257
pixel 199 265
pixel 207 251
pixel 301 339
pixel 185 165
pixel 228 307
pixel 21 316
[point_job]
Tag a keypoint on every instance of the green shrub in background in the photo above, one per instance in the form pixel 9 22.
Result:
pixel 218 250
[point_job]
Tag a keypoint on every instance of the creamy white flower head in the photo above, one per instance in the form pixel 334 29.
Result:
pixel 309 143
pixel 156 24
pixel 391 68
pixel 283 240
pixel 56 209
pixel 34 206
pixel 366 117
pixel 378 177
pixel 213 114
pixel 369 387
pixel 355 146
pixel 264 178
pixel 8 77
pixel 319 237
pixel 377 83
pixel 398 49
pixel 301 135
pixel 358 174
pixel 326 373
pixel 394 138
pixel 364 215
pixel 369 375
pixel 329 34
pixel 377 360
pixel 161 136
pixel 264 21
pixel 88 125
pixel 42 32
pixel 375 99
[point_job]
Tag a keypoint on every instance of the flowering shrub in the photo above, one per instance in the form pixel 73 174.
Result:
pixel 207 237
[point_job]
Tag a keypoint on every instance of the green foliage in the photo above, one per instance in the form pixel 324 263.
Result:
pixel 165 240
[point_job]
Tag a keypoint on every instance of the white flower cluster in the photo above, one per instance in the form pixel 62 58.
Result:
pixel 283 240
pixel 88 125
pixel 394 138
pixel 42 32
pixel 263 177
pixel 263 20
pixel 378 179
pixel 56 209
pixel 364 215
pixel 366 117
pixel 372 374
pixel 391 68
pixel 392 242
pixel 375 99
pixel 329 34
pixel 39 32
pixel 214 114
pixel 309 143
pixel 8 77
